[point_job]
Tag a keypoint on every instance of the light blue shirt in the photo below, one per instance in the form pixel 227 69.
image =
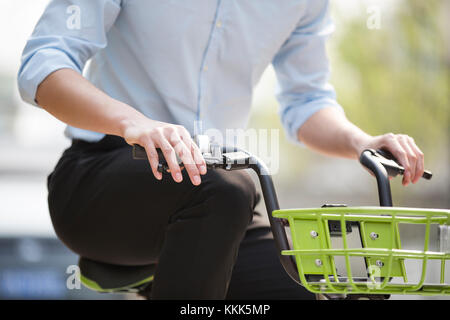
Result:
pixel 181 61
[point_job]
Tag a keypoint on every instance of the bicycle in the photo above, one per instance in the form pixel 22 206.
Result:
pixel 326 241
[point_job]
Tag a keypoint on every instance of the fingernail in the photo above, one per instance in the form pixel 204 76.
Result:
pixel 197 180
pixel 202 169
pixel 178 177
pixel 407 179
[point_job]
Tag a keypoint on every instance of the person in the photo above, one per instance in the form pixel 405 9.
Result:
pixel 156 68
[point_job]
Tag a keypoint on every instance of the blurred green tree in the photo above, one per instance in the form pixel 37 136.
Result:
pixel 397 78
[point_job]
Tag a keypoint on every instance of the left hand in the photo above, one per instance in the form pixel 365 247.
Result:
pixel 404 150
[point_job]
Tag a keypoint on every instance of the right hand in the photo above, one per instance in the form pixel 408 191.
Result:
pixel 173 140
pixel 404 150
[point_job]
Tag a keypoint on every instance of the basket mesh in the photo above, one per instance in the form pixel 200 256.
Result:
pixel 325 267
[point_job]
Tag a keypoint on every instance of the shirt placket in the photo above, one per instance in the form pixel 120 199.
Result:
pixel 207 63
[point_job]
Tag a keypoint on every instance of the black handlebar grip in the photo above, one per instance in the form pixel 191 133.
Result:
pixel 427 175
pixel 139 152
pixel 386 154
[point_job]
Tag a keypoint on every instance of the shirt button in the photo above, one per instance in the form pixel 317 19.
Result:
pixel 205 68
pixel 219 24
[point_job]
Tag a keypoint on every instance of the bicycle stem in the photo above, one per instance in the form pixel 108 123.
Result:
pixel 277 226
pixel 384 187
pixel 245 160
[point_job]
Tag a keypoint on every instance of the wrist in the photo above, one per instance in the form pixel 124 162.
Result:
pixel 132 119
pixel 358 142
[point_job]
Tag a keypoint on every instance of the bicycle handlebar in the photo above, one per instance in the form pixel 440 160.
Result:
pixel 381 163
pixel 384 165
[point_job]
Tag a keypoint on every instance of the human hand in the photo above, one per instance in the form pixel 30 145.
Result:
pixel 173 140
pixel 404 149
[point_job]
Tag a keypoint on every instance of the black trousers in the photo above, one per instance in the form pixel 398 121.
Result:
pixel 207 241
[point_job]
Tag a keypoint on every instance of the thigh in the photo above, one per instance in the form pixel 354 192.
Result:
pixel 258 273
pixel 108 207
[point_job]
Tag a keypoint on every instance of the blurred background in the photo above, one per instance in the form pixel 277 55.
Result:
pixel 391 70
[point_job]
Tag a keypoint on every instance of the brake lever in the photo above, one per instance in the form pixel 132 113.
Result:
pixel 392 166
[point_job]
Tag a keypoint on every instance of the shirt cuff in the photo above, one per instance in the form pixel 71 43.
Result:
pixel 38 67
pixel 295 116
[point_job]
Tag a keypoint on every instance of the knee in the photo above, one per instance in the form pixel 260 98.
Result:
pixel 233 197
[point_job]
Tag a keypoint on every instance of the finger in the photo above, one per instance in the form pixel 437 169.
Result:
pixel 152 156
pixel 198 158
pixel 400 154
pixel 185 155
pixel 195 151
pixel 420 163
pixel 170 156
pixel 412 159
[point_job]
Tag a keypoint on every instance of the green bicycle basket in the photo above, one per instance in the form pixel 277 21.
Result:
pixel 358 250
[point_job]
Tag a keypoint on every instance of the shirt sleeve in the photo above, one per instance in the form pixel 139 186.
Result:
pixel 302 69
pixel 67 35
